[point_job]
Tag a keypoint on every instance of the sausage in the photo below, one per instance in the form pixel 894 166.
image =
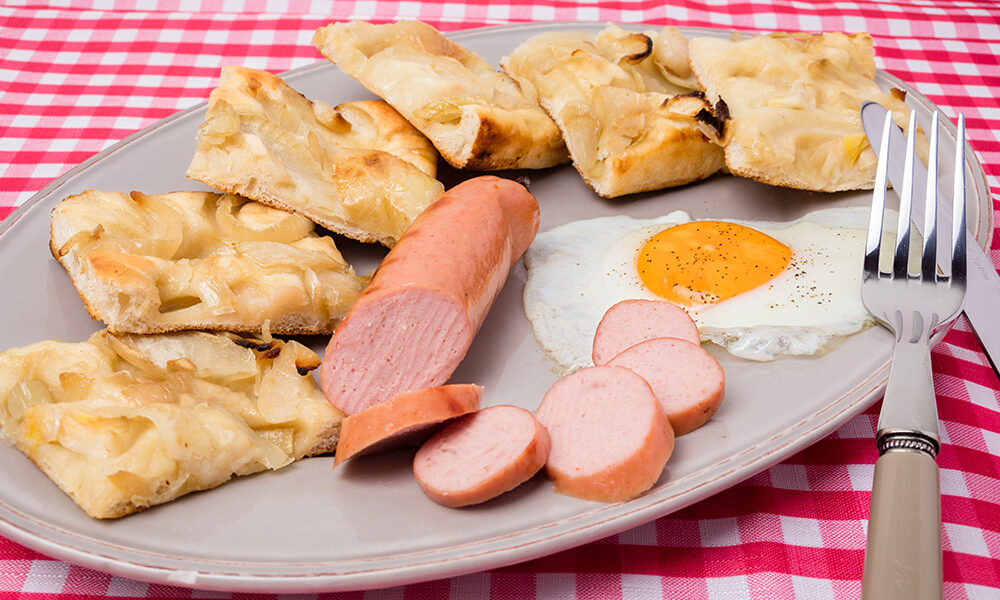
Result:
pixel 610 438
pixel 686 380
pixel 407 419
pixel 481 455
pixel 414 322
pixel 632 321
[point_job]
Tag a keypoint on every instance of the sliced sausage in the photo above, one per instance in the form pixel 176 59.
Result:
pixel 481 455
pixel 610 438
pixel 408 419
pixel 688 382
pixel 415 321
pixel 632 321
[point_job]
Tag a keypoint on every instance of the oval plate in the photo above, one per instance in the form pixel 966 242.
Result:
pixel 308 529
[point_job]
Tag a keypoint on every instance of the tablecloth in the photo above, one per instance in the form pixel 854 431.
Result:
pixel 77 76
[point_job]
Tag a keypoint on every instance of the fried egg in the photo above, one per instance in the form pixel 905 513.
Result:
pixel 759 289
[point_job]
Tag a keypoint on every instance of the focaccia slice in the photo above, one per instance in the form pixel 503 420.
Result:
pixel 122 423
pixel 793 101
pixel 475 116
pixel 200 260
pixel 611 96
pixel 358 169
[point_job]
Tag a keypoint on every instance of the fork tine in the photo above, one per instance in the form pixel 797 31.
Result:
pixel 900 263
pixel 874 243
pixel 958 206
pixel 929 261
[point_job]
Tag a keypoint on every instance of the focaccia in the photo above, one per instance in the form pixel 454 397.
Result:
pixel 358 169
pixel 200 260
pixel 475 116
pixel 613 97
pixel 793 102
pixel 121 423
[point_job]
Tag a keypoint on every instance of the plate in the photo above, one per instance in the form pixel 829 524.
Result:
pixel 307 528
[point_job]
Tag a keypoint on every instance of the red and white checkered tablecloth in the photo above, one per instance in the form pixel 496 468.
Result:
pixel 77 76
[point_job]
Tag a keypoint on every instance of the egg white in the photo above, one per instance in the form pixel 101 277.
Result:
pixel 578 270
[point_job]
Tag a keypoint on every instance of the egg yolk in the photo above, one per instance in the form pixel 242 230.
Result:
pixel 703 262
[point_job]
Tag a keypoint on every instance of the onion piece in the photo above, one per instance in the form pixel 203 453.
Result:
pixel 213 357
pixel 624 46
pixel 242 221
pixel 23 396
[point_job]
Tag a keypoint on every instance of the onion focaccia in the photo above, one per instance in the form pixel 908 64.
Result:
pixel 200 260
pixel 794 102
pixel 475 116
pixel 358 169
pixel 121 423
pixel 620 100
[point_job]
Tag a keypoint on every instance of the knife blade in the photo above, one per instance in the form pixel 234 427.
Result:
pixel 982 298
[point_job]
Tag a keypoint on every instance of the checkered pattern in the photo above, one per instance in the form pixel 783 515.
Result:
pixel 77 76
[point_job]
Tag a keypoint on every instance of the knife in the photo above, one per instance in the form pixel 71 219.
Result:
pixel 982 298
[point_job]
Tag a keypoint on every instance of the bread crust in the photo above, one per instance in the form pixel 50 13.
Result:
pixel 122 423
pixel 794 101
pixel 476 117
pixel 358 169
pixel 610 101
pixel 199 260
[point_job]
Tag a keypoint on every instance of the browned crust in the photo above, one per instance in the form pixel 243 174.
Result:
pixel 732 148
pixel 507 136
pixel 326 444
pixel 278 327
pixel 738 169
pixel 690 139
pixel 391 124
pixel 113 512
pixel 498 143
pixel 101 498
pixel 687 143
pixel 259 194
pixel 90 310
pixel 683 143
pixel 404 143
pixel 125 507
pixel 275 327
pixel 490 135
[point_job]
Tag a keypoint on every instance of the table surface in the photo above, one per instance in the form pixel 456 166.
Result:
pixel 78 76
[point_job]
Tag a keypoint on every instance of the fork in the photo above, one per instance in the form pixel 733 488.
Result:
pixel 903 553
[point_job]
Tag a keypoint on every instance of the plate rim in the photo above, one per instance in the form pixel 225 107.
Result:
pixel 492 552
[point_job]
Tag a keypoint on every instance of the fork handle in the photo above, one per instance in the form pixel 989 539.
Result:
pixel 903 555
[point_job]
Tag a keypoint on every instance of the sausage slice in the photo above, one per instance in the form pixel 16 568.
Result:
pixel 415 321
pixel 688 382
pixel 632 321
pixel 610 438
pixel 406 420
pixel 481 455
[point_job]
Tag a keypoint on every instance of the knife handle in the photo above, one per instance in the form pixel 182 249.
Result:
pixel 903 555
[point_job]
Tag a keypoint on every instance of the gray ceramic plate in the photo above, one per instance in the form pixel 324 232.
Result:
pixel 306 528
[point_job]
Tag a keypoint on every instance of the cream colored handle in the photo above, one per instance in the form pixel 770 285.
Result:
pixel 903 556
